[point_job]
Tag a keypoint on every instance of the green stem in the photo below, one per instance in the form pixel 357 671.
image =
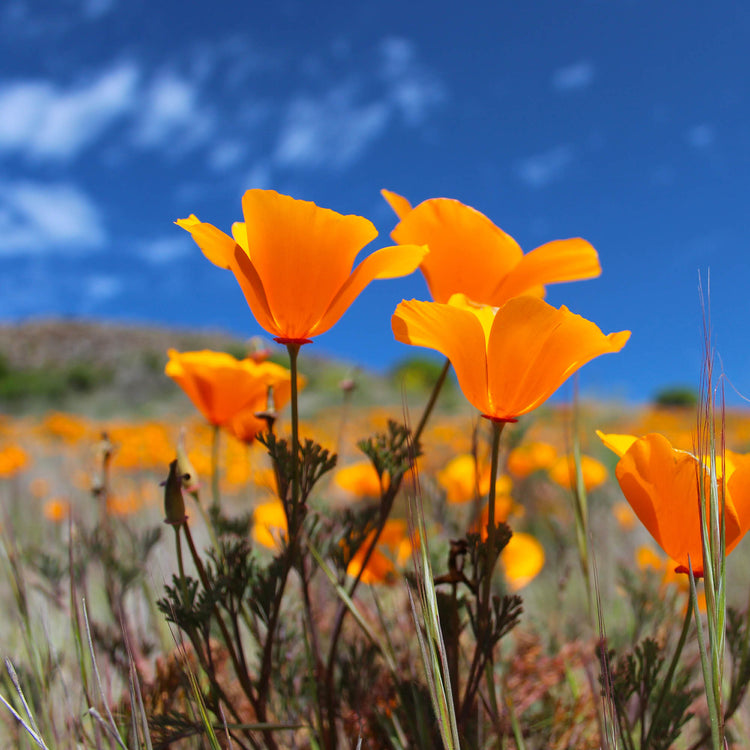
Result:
pixel 672 667
pixel 431 403
pixel 215 467
pixel 293 350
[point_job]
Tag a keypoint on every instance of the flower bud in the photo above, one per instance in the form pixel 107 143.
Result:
pixel 174 504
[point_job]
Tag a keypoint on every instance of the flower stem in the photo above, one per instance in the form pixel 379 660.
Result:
pixel 215 467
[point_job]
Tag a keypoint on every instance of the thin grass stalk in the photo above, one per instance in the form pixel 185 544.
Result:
pixel 432 648
pixel 215 452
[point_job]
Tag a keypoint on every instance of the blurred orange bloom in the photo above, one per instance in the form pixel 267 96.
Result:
pixel 459 480
pixel 56 509
pixel 624 515
pixel 221 386
pixel 381 567
pixel 522 560
pixel 510 361
pixel 470 255
pixel 563 472
pixel 13 459
pixel 530 457
pixel 293 261
pixel 360 479
pixel 269 524
pixel 662 486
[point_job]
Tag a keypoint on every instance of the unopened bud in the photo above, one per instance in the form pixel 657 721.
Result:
pixel 174 503
pixel 188 474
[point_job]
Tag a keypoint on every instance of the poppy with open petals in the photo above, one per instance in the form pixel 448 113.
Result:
pixel 293 261
pixel 510 361
pixel 661 484
pixel 470 255
pixel 221 386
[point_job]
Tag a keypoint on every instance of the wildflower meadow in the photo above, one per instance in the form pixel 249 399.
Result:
pixel 297 561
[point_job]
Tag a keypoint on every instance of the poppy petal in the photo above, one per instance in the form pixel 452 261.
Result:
pixel 252 287
pixel 216 246
pixel 661 485
pixel 453 332
pixel 303 253
pixel 533 348
pixel 554 262
pixel 618 444
pixel 468 253
pixel 397 202
pixel 387 263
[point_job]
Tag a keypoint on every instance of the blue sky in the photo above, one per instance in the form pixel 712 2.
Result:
pixel 621 121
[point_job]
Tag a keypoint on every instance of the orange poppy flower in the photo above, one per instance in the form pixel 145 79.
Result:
pixel 530 457
pixel 470 255
pixel 661 485
pixel 460 482
pixel 381 568
pixel 522 560
pixel 293 261
pixel 221 386
pixel 361 479
pixel 510 361
pixel 269 524
pixel 563 472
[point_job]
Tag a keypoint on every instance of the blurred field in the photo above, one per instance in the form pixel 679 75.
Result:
pixel 52 480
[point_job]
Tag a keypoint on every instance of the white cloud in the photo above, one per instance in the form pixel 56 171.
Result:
pixel 333 130
pixel 100 288
pixel 413 90
pixel 43 120
pixel 700 136
pixel 542 169
pixel 170 115
pixel 575 77
pixel 37 218
pixel 167 249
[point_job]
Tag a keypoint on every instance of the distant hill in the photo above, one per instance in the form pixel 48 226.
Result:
pixel 107 369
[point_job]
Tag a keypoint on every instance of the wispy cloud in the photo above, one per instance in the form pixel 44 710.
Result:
pixel 167 249
pixel 542 169
pixel 414 90
pixel 700 136
pixel 39 218
pixel 43 120
pixel 100 287
pixel 575 77
pixel 170 115
pixel 333 129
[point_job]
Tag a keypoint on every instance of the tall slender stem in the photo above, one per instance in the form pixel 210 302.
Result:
pixel 293 349
pixel 215 467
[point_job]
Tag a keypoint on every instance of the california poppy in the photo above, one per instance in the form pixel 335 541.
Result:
pixel 221 386
pixel 460 482
pixel 293 261
pixel 380 567
pixel 661 484
pixel 270 524
pixel 563 472
pixel 510 361
pixel 470 255
pixel 361 480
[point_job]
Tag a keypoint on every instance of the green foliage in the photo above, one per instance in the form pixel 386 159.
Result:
pixel 50 384
pixel 676 396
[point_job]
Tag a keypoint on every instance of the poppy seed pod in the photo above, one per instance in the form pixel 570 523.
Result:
pixel 174 503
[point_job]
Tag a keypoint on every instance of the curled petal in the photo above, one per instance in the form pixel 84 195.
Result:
pixel 303 253
pixel 397 202
pixel 533 348
pixel 454 332
pixel 387 263
pixel 216 246
pixel 252 287
pixel 468 253
pixel 619 444
pixel 661 485
pixel 554 262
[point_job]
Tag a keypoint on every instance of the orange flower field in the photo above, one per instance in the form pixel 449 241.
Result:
pixel 285 563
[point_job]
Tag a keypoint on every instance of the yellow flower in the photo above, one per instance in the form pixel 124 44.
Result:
pixel 293 261
pixel 56 509
pixel 470 255
pixel 13 459
pixel 510 361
